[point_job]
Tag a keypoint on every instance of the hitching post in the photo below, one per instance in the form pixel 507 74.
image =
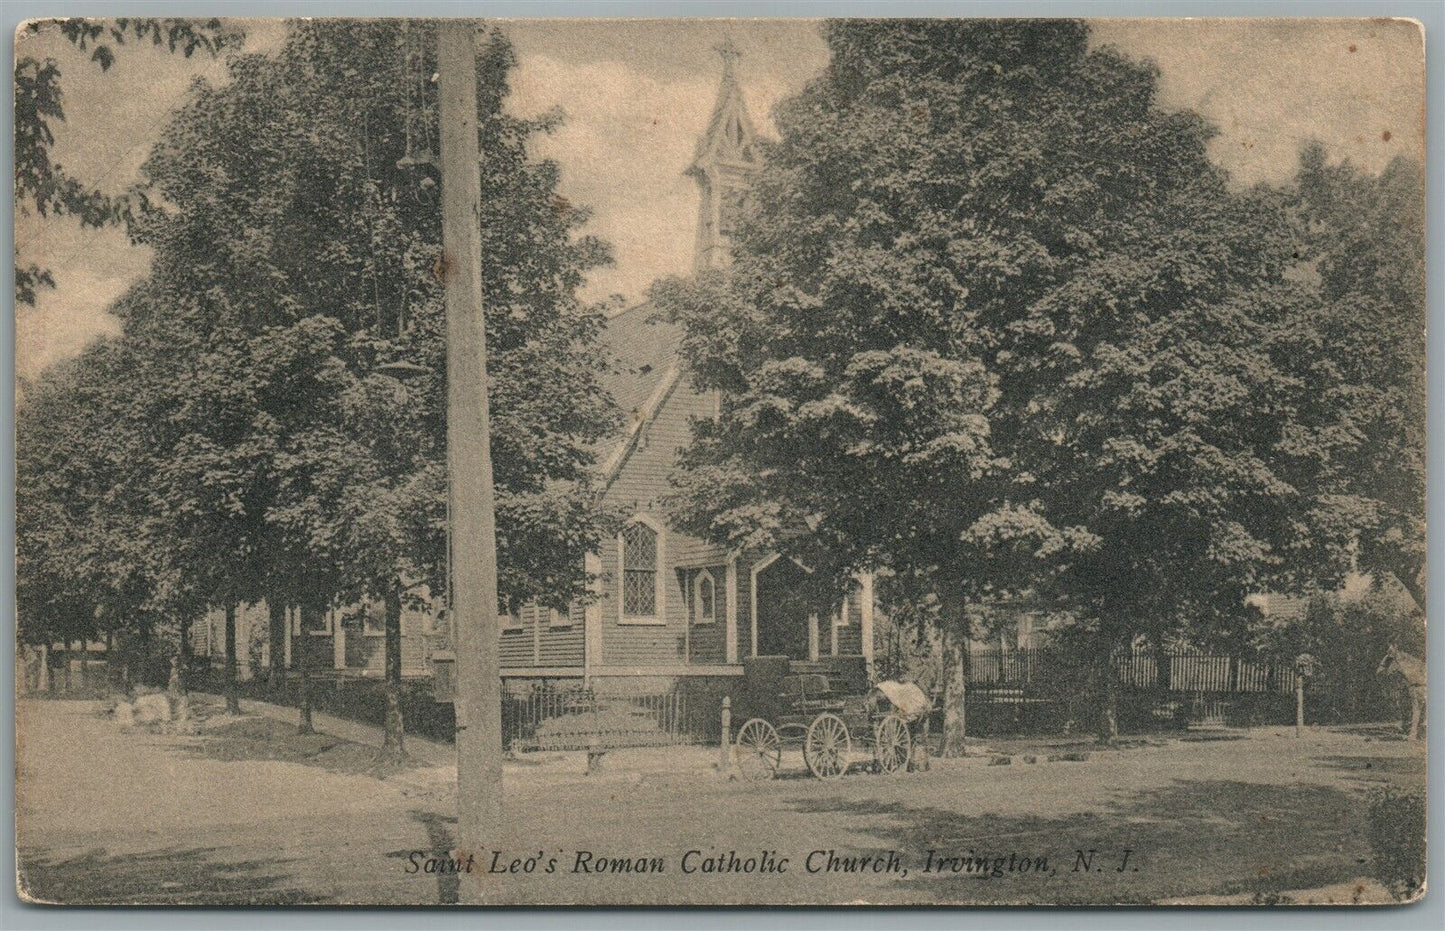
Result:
pixel 725 740
pixel 1304 665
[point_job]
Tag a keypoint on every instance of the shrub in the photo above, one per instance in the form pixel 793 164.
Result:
pixel 1397 837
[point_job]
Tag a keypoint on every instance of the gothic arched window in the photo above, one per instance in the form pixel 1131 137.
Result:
pixel 639 571
pixel 704 598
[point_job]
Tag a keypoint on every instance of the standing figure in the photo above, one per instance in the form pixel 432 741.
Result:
pixel 1411 669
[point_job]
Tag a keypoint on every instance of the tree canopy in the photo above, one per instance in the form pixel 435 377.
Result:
pixel 283 364
pixel 996 322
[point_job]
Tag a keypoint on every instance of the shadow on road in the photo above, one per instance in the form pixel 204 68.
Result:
pixel 1199 834
pixel 440 841
pixel 1405 772
pixel 173 876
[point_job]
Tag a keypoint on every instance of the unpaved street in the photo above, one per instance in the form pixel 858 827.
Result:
pixel 106 814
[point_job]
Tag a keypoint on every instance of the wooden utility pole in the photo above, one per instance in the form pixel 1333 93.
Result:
pixel 469 457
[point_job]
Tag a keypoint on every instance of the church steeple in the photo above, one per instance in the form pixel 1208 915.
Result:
pixel 722 165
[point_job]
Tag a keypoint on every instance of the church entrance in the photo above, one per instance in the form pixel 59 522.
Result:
pixel 784 608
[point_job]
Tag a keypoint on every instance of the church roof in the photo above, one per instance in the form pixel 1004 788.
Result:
pixel 645 366
pixel 642 348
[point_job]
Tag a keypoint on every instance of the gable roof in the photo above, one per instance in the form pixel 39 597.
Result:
pixel 642 346
pixel 645 367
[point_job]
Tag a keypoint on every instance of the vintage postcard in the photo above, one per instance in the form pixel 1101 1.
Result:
pixel 720 462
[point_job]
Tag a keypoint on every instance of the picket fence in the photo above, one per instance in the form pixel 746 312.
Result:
pixel 1182 671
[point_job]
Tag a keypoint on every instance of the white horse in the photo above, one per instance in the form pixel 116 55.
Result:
pixel 1411 670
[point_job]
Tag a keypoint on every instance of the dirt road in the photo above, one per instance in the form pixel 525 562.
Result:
pixel 112 815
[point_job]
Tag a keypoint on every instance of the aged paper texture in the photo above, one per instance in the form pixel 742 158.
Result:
pixel 725 462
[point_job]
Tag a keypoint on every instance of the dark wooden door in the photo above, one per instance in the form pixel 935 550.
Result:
pixel 783 608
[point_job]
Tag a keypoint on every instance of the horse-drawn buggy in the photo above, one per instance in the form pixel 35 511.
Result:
pixel 783 707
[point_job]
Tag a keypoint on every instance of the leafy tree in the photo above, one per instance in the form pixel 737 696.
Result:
pixel 1347 636
pixel 86 564
pixel 996 322
pixel 1362 238
pixel 298 257
pixel 44 187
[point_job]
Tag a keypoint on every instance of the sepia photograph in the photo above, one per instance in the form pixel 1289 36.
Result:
pixel 720 462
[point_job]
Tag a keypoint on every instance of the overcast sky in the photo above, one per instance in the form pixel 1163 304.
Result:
pixel 637 95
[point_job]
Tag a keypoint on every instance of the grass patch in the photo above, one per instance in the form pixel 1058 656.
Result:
pixel 249 738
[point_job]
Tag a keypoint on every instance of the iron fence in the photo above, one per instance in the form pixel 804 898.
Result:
pixel 552 718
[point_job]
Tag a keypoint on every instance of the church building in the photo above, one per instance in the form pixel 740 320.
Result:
pixel 669 605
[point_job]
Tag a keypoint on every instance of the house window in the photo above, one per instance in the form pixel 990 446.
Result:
pixel 704 598
pixel 639 571
pixel 373 620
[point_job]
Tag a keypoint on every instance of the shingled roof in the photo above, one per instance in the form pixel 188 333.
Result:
pixel 645 365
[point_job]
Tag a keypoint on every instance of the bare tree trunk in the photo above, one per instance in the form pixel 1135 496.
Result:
pixel 276 609
pixel 955 681
pixel 303 683
pixel 110 669
pixel 1108 679
pixel 232 687
pixel 303 698
pixel 392 741
pixel 177 685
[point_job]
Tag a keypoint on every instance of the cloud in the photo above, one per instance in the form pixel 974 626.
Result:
pixel 66 320
pixel 1271 86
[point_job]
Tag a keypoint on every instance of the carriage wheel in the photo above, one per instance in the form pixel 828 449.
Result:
pixel 757 750
pixel 827 746
pixel 891 745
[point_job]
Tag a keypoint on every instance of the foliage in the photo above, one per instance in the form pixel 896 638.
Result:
pixel 996 321
pixel 1348 637
pixel 82 566
pixel 44 187
pixel 1363 237
pixel 272 451
pixel 1397 837
pixel 314 254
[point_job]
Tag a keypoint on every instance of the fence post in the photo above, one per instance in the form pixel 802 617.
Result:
pixel 725 739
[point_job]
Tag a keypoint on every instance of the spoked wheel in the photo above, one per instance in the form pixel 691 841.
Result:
pixel 757 750
pixel 827 746
pixel 891 745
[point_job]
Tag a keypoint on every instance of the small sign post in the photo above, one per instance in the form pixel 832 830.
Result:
pixel 1304 667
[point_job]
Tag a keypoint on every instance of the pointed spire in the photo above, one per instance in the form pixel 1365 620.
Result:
pixel 723 163
pixel 730 54
pixel 730 131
